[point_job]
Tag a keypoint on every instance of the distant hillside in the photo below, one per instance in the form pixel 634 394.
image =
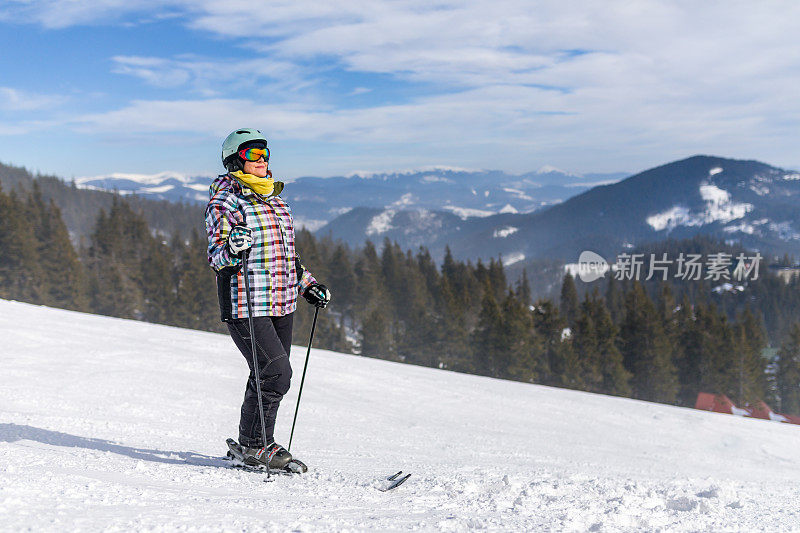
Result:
pixel 740 201
pixel 316 201
pixel 80 207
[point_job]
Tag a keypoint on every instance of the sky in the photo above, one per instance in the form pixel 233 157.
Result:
pixel 145 86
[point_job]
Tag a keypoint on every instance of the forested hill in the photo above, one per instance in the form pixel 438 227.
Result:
pixel 81 207
pixel 398 305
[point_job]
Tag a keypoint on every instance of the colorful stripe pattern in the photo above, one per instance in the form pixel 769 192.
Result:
pixel 274 285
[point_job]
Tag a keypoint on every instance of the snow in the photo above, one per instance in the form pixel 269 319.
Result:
pixel 548 169
pixel 433 178
pixel 406 200
pixel 719 207
pixel 466 212
pixel 669 219
pixel 518 193
pixel 367 174
pixel 381 223
pixel 509 209
pixel 514 257
pixel 730 287
pixel 504 232
pixel 109 424
pixel 158 190
pixel 742 227
pixel 590 184
pixel 714 171
pixel 784 230
pixel 791 177
pixel 144 179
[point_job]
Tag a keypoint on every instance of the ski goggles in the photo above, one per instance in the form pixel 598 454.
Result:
pixel 254 154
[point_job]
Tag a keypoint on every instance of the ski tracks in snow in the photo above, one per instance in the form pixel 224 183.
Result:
pixel 115 425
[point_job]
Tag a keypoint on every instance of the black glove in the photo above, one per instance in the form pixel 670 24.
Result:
pixel 240 239
pixel 317 294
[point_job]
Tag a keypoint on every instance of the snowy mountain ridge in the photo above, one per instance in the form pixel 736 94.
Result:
pixel 129 433
pixel 732 200
pixel 316 201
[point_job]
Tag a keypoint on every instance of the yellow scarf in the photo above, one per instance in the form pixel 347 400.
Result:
pixel 263 186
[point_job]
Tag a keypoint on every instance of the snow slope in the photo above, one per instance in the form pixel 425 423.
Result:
pixel 108 424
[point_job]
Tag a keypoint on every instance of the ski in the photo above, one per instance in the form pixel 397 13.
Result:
pixel 394 481
pixel 237 459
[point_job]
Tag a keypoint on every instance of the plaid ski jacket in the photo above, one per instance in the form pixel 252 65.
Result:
pixel 276 275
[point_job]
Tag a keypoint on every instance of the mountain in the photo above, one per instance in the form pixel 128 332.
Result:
pixel 316 201
pixel 88 447
pixel 80 207
pixel 171 186
pixel 748 202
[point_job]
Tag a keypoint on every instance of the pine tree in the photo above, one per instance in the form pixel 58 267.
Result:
pixel 20 273
pixel 488 340
pixel 375 315
pixel 615 379
pixel 376 337
pixel 115 258
pixel 342 282
pixel 788 373
pixel 196 304
pixel 569 300
pixel 453 331
pixel 526 361
pixel 615 300
pixel 586 347
pixel 690 352
pixel 497 278
pixel 157 282
pixel 64 279
pixel 561 367
pixel 595 339
pixel 751 365
pixel 523 290
pixel 646 350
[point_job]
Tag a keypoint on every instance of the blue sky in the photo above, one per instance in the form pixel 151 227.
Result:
pixel 91 88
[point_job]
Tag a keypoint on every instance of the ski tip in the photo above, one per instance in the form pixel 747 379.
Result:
pixel 395 482
pixel 296 467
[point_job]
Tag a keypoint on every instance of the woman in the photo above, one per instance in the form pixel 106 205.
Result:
pixel 247 220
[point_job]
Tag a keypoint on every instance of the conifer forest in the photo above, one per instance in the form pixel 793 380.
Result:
pixel 659 341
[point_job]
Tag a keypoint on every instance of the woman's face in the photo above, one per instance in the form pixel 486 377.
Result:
pixel 256 168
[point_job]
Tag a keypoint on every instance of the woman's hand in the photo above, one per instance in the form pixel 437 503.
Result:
pixel 239 240
pixel 317 294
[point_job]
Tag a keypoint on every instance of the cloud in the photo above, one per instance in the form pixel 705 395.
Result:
pixel 213 77
pixel 592 80
pixel 16 100
pixel 55 14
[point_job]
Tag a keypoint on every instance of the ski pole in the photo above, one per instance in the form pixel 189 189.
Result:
pixel 253 350
pixel 305 366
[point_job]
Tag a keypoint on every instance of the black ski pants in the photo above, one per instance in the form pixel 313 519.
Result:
pixel 273 342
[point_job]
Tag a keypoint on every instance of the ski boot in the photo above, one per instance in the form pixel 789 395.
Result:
pixel 277 455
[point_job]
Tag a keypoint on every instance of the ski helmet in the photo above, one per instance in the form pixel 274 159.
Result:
pixel 239 140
